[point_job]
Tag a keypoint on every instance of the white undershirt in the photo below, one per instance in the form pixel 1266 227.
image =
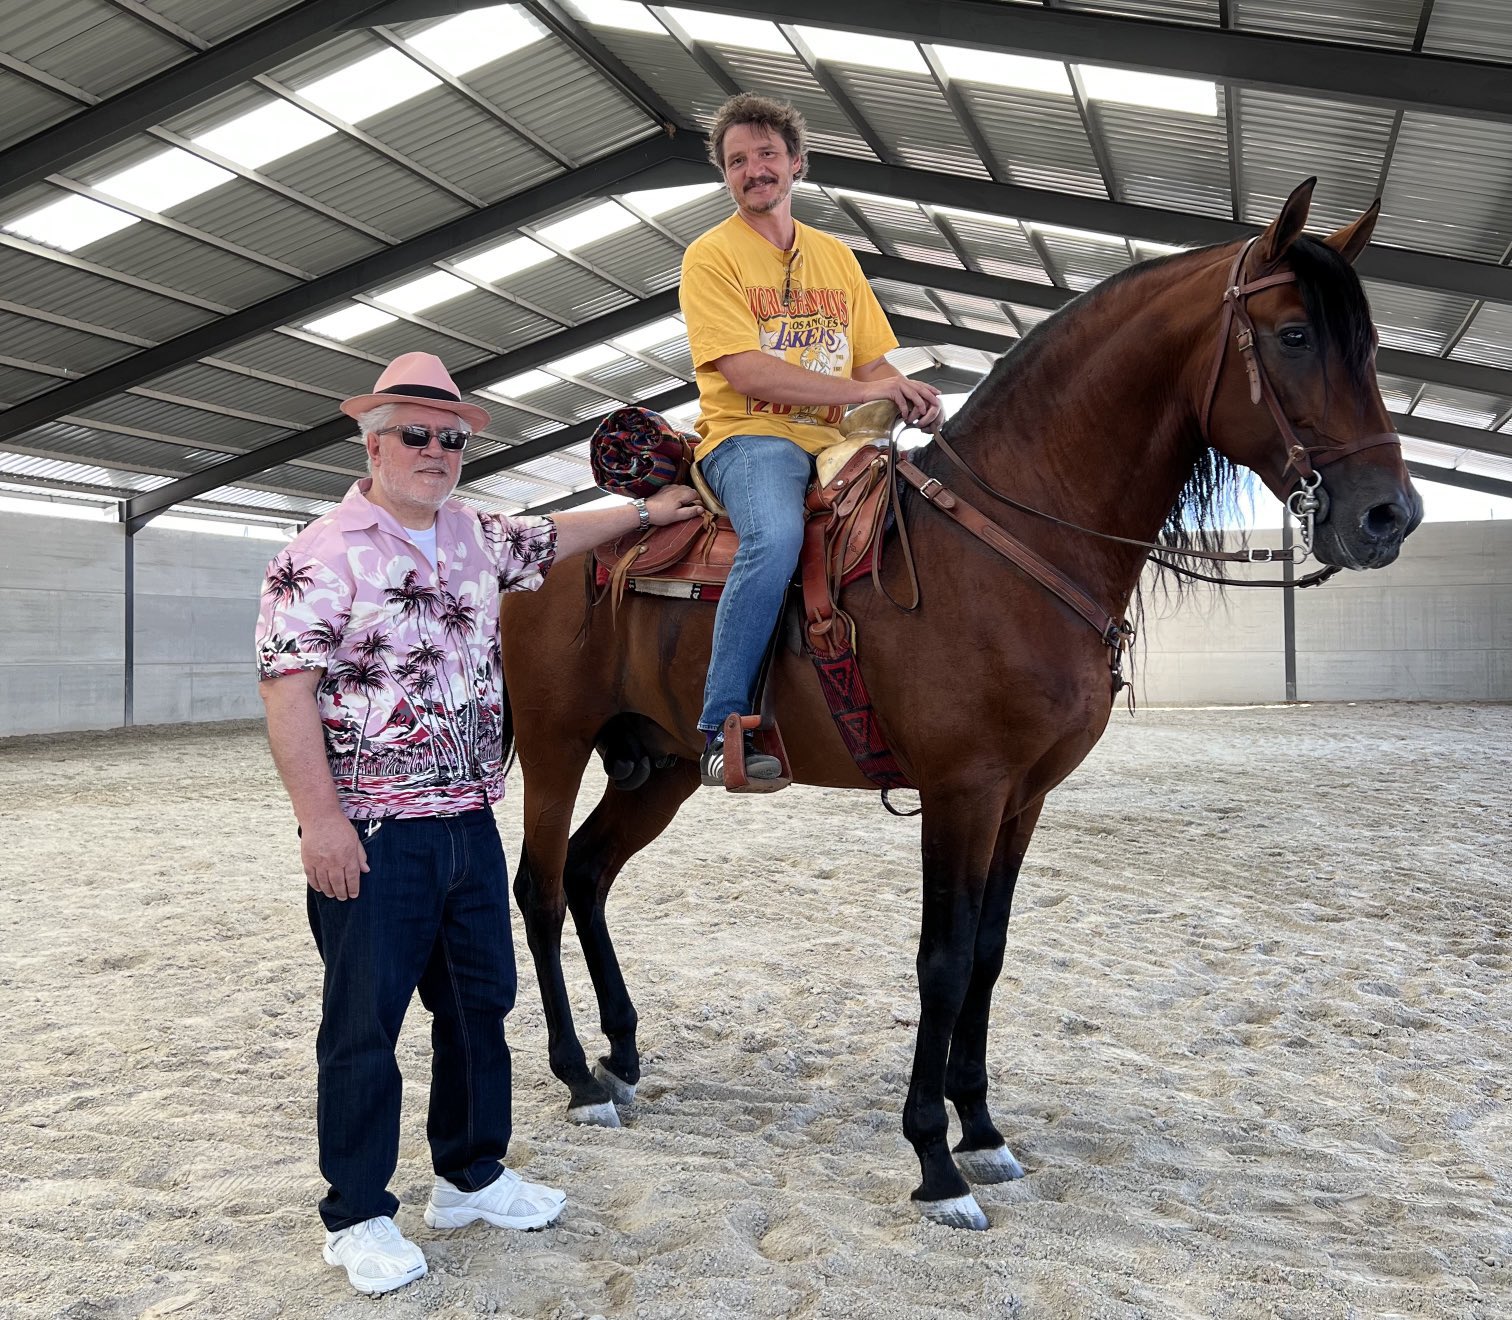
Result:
pixel 425 540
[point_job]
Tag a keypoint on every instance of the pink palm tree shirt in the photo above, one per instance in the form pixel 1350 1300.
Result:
pixel 412 702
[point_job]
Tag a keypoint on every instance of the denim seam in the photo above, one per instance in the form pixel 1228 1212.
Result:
pixel 451 976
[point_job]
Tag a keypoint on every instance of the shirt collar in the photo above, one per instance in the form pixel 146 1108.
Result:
pixel 357 513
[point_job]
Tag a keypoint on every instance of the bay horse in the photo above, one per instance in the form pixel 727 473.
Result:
pixel 1126 412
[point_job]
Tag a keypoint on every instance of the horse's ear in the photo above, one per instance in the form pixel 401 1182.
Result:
pixel 1287 227
pixel 1353 239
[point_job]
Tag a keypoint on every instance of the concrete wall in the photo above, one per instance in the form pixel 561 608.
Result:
pixel 1437 625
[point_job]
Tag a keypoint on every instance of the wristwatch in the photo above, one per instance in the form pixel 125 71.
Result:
pixel 643 513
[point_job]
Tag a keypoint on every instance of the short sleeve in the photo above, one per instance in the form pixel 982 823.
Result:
pixel 523 549
pixel 303 614
pixel 720 321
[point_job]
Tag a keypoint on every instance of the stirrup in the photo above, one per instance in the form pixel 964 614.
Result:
pixel 728 765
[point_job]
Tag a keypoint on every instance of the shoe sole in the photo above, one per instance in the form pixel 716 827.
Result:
pixel 461 1218
pixel 375 1287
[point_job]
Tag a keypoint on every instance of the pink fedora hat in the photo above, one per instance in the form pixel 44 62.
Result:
pixel 417 378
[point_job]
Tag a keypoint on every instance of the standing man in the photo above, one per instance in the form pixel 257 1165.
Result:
pixel 377 650
pixel 785 333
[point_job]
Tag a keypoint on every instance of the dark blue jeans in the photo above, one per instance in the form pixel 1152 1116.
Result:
pixel 432 913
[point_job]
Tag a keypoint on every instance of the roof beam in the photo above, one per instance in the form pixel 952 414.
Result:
pixel 1422 270
pixel 1452 434
pixel 1411 81
pixel 1464 480
pixel 141 509
pixel 649 163
pixel 186 84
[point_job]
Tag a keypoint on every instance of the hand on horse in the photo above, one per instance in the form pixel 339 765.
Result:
pixel 672 504
pixel 333 856
pixel 918 404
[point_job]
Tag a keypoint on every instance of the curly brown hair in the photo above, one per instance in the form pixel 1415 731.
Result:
pixel 758 112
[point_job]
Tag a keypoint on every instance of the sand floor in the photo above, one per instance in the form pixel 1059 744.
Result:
pixel 1251 1041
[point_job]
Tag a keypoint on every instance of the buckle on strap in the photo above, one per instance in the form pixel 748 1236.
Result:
pixel 930 494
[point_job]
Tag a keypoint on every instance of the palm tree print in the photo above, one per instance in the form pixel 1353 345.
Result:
pixel 365 677
pixel 287 583
pixel 325 634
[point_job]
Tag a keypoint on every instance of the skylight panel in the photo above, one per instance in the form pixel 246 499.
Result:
pixel 588 359
pixel 659 201
pixel 1019 71
pixel 263 135
pixel 1078 235
pixel 527 382
pixel 474 39
pixel 1156 91
pixel 350 322
pixel 658 332
pixel 370 86
pixel 165 180
pixel 588 226
pixel 859 48
pixel 618 14
pixel 71 223
pixel 726 30
pixel 427 291
pixel 507 259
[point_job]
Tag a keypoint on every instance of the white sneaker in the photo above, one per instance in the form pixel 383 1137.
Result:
pixel 507 1202
pixel 378 1258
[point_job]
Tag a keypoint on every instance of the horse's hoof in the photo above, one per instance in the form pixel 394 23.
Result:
pixel 620 1091
pixel 988 1166
pixel 957 1212
pixel 604 1115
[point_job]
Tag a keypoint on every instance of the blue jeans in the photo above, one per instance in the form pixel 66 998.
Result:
pixel 432 913
pixel 761 480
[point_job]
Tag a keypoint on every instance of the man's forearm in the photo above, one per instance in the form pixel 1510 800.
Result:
pixel 762 376
pixel 298 745
pixel 586 528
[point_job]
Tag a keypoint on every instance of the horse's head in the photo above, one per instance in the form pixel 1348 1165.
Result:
pixel 1292 391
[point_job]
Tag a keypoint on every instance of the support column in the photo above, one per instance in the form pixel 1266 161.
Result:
pixel 1289 609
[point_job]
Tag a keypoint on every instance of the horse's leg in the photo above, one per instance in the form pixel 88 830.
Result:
pixel 960 830
pixel 621 825
pixel 981 1153
pixel 550 791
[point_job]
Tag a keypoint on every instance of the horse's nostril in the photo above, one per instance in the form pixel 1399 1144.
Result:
pixel 1385 522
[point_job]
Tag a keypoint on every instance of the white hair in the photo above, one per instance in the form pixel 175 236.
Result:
pixel 376 419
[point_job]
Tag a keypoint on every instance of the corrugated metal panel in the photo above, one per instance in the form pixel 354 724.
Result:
pixel 57 345
pixel 308 482
pixel 1415 319
pixel 214 20
pixel 629 379
pixel 1200 12
pixel 815 208
pixel 29 108
pixel 244 497
pixel 16 384
pixel 357 181
pixel 306 362
pixel 639 257
pixel 175 261
pixel 788 79
pixel 1037 138
pixel 347 453
pixel 910 114
pixel 86 445
pixel 979 313
pixel 227 389
pixel 565 400
pixel 489 317
pixel 519 426
pixel 1083 260
pixel 1397 391
pixel 688 222
pixel 28 199
pixel 52 286
pixel 1361 22
pixel 565 290
pixel 563 468
pixel 121 156
pixel 262 221
pixel 1477 29
pixel 1449 188
pixel 662 63
pixel 1289 138
pixel 1489 339
pixel 335 54
pixel 389 341
pixel 88 43
pixel 1462 407
pixel 76 474
pixel 1165 158
pixel 218 110
pixel 452 137
pixel 905 300
pixel 997 247
pixel 905 228
pixel 172 419
pixel 510 488
pixel 552 91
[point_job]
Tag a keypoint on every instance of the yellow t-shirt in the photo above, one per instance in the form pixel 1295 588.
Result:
pixel 733 282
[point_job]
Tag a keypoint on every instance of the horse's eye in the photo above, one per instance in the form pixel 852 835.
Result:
pixel 1293 337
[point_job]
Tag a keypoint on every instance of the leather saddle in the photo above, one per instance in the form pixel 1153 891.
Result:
pixel 691 560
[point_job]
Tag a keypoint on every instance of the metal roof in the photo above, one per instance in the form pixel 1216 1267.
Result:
pixel 504 213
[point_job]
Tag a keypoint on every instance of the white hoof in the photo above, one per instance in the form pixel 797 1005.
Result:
pixel 988 1166
pixel 604 1115
pixel 957 1212
pixel 621 1092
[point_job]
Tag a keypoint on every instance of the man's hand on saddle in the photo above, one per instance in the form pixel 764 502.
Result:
pixel 333 856
pixel 918 404
pixel 673 504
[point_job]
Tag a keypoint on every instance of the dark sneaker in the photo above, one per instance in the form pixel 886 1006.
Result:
pixel 758 765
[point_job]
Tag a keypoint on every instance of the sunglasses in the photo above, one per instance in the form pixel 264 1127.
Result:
pixel 417 437
pixel 787 281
